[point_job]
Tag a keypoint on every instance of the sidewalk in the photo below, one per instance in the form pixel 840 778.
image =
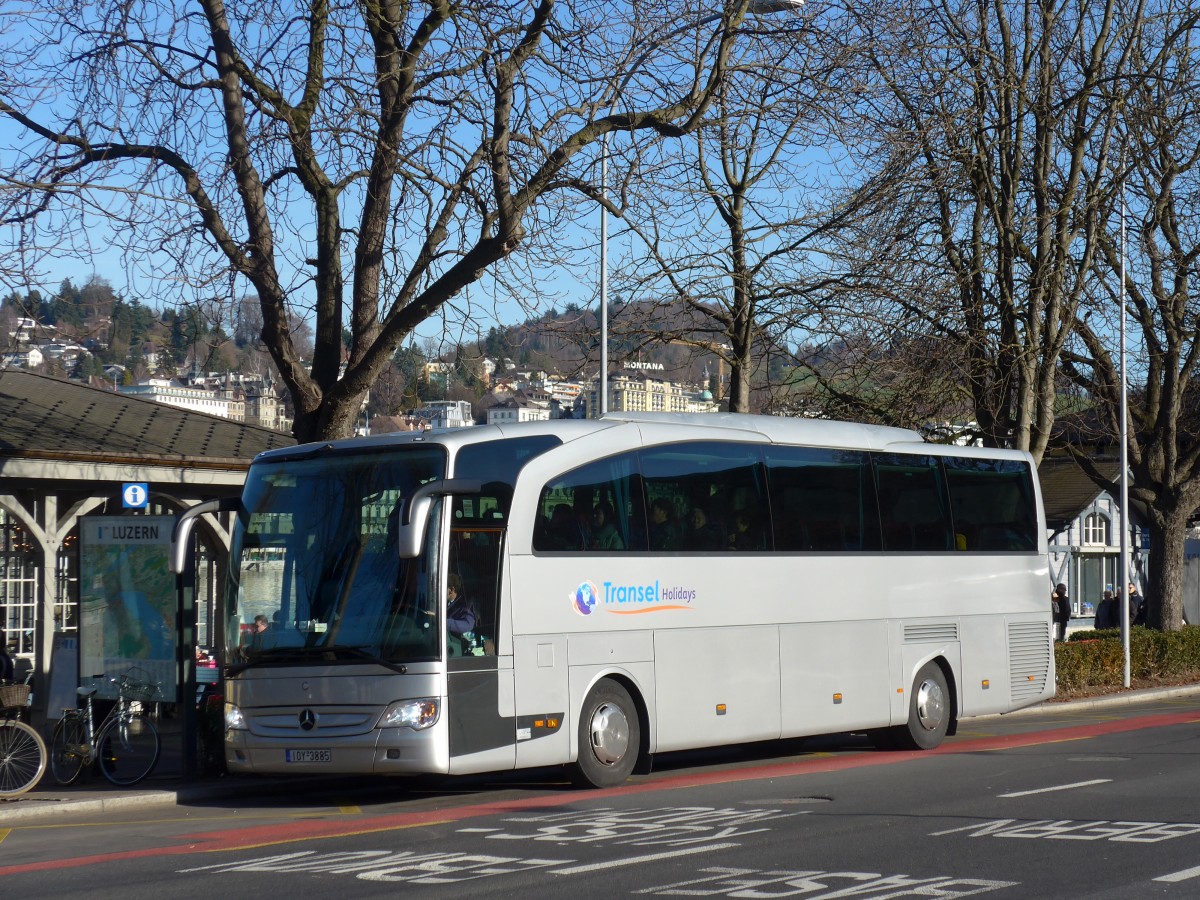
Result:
pixel 166 786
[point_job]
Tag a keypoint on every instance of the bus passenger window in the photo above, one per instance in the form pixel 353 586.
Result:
pixel 993 505
pixel 718 491
pixel 822 500
pixel 598 507
pixel 912 503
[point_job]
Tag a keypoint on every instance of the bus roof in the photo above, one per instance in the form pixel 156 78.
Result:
pixel 655 428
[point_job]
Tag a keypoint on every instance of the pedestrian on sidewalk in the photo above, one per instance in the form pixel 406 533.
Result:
pixel 1062 611
pixel 1107 612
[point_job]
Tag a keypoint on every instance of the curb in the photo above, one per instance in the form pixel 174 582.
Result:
pixel 31 806
pixel 1122 698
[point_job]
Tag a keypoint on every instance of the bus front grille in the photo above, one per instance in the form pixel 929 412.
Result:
pixel 312 722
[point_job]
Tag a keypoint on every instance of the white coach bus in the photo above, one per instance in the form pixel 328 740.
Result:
pixel 635 585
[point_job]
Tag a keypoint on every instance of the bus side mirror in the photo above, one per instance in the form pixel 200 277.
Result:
pixel 183 528
pixel 415 517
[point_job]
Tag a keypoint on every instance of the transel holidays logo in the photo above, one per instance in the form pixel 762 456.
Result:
pixel 630 599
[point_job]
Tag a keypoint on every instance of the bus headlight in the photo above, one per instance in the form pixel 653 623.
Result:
pixel 415 714
pixel 234 720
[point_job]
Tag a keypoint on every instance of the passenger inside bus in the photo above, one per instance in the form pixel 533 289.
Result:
pixel 664 528
pixel 563 531
pixel 460 618
pixel 604 533
pixel 700 535
pixel 472 588
pixel 745 535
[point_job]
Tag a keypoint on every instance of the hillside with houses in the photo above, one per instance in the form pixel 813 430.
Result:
pixel 545 367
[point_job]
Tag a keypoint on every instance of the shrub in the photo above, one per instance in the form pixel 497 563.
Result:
pixel 1095 659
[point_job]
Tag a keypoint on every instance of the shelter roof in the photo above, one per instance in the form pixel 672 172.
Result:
pixel 54 418
pixel 1067 490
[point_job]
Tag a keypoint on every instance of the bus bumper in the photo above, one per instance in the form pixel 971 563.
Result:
pixel 388 751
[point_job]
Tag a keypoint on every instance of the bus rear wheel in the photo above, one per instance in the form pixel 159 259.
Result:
pixel 929 712
pixel 610 736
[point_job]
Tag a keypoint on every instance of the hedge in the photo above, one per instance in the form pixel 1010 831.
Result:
pixel 1095 659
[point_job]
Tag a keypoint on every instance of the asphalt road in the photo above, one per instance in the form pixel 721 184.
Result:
pixel 1091 803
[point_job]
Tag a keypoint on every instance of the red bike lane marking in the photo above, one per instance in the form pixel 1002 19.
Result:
pixel 289 832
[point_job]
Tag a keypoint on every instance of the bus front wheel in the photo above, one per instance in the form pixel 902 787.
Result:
pixel 610 736
pixel 929 711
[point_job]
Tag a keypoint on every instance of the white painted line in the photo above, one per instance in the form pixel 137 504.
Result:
pixel 1182 875
pixel 477 830
pixel 653 857
pixel 1059 787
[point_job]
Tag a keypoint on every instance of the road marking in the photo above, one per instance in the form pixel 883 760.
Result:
pixel 1182 875
pixel 4 832
pixel 1058 787
pixel 633 861
pixel 1074 830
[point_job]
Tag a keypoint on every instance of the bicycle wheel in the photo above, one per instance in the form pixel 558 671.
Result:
pixel 128 749
pixel 22 758
pixel 68 749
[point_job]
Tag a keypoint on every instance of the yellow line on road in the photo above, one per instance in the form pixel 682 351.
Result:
pixel 1062 741
pixel 189 820
pixel 4 832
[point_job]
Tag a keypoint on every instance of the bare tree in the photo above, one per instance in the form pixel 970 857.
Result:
pixel 999 121
pixel 729 221
pixel 1161 304
pixel 359 165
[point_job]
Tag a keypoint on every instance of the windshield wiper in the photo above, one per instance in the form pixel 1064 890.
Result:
pixel 360 653
pixel 331 653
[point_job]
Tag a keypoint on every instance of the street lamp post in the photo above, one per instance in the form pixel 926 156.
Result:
pixel 755 8
pixel 603 275
pixel 1124 429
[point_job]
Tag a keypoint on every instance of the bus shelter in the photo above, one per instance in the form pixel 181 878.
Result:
pixel 69 451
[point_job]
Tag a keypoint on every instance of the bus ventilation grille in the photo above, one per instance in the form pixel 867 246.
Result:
pixel 931 633
pixel 1029 659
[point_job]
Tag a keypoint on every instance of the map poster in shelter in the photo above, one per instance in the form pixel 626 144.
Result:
pixel 127 601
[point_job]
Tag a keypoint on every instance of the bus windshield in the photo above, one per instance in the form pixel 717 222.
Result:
pixel 315 575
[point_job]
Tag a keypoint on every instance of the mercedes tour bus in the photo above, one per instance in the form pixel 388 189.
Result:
pixel 589 593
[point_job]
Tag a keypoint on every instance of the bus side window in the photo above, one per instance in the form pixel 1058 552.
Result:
pixel 993 505
pixel 822 500
pixel 913 503
pixel 606 502
pixel 716 490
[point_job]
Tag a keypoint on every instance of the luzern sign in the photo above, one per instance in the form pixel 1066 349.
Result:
pixel 127 599
pixel 132 532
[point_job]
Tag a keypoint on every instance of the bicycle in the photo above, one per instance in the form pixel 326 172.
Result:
pixel 126 744
pixel 22 750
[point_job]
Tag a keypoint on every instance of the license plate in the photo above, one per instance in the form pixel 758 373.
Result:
pixel 307 756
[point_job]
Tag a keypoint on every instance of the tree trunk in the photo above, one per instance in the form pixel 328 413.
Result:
pixel 1164 593
pixel 333 417
pixel 739 386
